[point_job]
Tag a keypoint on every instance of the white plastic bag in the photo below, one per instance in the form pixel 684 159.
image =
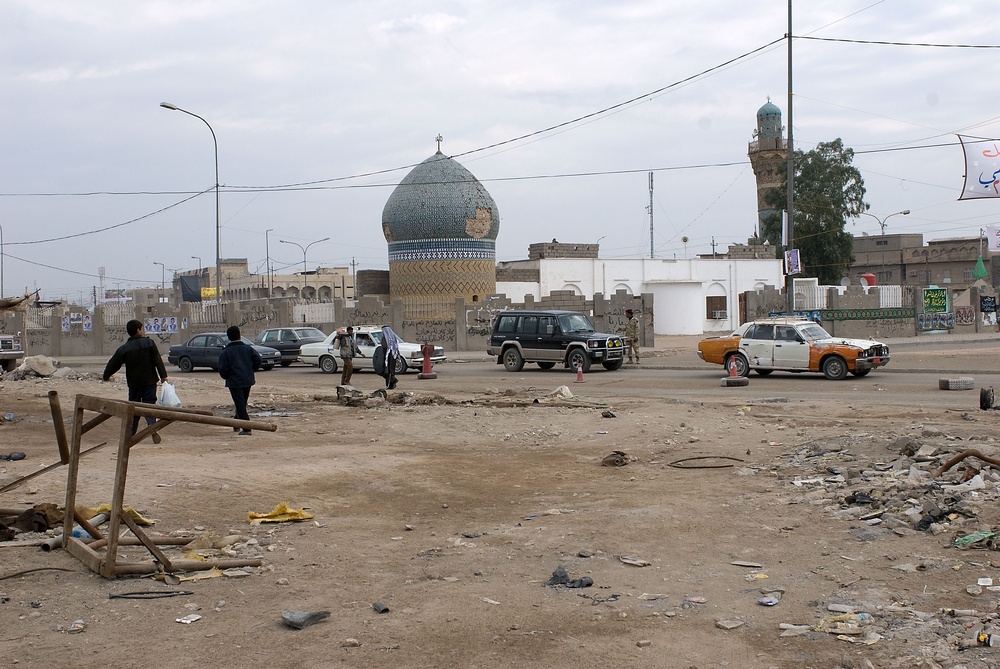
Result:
pixel 168 396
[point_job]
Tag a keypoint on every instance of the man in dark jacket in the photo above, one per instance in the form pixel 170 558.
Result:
pixel 143 369
pixel 237 364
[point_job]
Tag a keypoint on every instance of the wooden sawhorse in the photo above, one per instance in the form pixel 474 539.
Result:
pixel 106 563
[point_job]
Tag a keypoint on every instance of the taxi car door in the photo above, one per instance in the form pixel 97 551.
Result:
pixel 790 349
pixel 758 345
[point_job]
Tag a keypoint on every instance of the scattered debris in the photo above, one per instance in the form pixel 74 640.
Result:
pixel 635 562
pixel 561 577
pixel 616 459
pixel 302 619
pixel 280 514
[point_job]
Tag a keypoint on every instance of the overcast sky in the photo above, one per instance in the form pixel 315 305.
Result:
pixel 346 96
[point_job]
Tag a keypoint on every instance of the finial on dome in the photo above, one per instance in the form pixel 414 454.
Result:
pixel 439 139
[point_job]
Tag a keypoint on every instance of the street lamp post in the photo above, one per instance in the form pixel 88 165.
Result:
pixel 881 221
pixel 267 264
pixel 305 280
pixel 163 269
pixel 199 263
pixel 1 261
pixel 218 208
pixel 881 225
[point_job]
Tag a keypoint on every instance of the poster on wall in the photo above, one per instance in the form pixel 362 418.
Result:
pixel 88 323
pixel 793 263
pixel 935 300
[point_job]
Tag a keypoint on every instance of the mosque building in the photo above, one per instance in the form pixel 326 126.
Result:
pixel 441 225
pixel 767 152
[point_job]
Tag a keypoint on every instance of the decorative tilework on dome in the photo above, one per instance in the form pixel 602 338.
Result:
pixel 769 121
pixel 443 249
pixel 440 199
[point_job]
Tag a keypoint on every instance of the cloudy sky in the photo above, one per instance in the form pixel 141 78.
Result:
pixel 561 108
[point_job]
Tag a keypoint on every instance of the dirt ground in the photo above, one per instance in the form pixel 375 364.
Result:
pixel 453 503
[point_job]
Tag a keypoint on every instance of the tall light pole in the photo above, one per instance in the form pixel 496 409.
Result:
pixel 163 269
pixel 1 261
pixel 199 263
pixel 881 221
pixel 218 208
pixel 305 281
pixel 881 225
pixel 267 263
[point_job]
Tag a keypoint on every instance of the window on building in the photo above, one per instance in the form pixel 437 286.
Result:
pixel 881 242
pixel 969 275
pixel 884 278
pixel 924 277
pixel 715 307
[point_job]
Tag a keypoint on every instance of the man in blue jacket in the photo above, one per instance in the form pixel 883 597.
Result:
pixel 143 369
pixel 237 364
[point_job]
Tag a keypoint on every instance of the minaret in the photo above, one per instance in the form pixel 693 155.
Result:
pixel 767 152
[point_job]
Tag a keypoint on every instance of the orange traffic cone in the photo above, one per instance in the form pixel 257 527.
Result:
pixel 579 373
pixel 732 368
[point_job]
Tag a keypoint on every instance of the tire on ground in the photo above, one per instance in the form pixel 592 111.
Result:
pixel 958 383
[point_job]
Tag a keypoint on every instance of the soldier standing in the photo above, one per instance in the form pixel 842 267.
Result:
pixel 632 334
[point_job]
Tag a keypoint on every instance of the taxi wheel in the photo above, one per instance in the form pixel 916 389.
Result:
pixel 834 368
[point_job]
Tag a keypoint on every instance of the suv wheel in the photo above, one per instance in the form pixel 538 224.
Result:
pixel 512 360
pixel 578 358
pixel 613 364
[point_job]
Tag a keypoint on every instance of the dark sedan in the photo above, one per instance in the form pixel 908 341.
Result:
pixel 289 340
pixel 203 350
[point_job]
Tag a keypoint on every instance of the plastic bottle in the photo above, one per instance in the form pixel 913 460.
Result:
pixel 986 639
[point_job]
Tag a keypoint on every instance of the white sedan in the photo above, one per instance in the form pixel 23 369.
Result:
pixel 327 357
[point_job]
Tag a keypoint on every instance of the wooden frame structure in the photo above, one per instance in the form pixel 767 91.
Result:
pixel 106 563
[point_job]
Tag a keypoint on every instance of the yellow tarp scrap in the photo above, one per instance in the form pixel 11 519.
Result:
pixel 280 514
pixel 90 512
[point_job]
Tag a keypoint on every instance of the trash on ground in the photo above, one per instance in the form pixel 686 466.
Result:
pixel 380 607
pixel 302 619
pixel 561 577
pixel 189 618
pixel 771 598
pixel 280 514
pixel 635 562
pixel 616 459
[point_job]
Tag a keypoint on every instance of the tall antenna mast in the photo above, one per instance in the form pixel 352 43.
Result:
pixel 651 254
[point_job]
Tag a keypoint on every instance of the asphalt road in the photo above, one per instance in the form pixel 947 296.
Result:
pixel 911 378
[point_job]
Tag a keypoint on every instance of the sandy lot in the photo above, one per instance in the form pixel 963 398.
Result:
pixel 454 503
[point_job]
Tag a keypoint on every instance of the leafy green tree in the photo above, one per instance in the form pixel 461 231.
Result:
pixel 828 191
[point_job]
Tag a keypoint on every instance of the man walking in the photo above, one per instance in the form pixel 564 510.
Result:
pixel 143 369
pixel 348 349
pixel 237 364
pixel 632 334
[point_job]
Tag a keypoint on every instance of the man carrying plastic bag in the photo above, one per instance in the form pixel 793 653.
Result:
pixel 143 368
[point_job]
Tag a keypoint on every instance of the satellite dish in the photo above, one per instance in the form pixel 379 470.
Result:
pixel 684 240
pixel 863 281
pixel 846 281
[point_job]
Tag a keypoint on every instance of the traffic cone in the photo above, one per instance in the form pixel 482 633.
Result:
pixel 579 373
pixel 732 368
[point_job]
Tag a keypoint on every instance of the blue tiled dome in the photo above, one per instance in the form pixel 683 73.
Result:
pixel 440 199
pixel 769 120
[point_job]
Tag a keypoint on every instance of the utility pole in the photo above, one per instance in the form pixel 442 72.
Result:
pixel 651 254
pixel 790 179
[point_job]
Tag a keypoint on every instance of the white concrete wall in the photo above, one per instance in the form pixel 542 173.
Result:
pixel 679 286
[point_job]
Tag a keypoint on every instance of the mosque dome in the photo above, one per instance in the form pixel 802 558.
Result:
pixel 440 199
pixel 442 226
pixel 769 121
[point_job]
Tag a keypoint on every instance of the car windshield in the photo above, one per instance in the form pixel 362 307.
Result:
pixel 302 333
pixel 575 323
pixel 813 332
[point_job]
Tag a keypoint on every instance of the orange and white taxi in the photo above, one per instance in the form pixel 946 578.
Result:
pixel 793 345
